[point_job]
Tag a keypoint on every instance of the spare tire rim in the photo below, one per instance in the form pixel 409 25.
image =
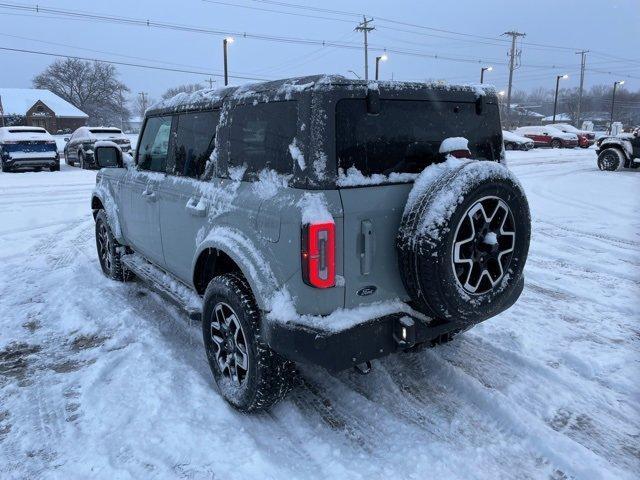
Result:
pixel 229 343
pixel 483 245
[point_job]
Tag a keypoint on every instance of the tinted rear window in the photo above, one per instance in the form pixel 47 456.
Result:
pixel 260 136
pixel 105 130
pixel 406 135
pixel 194 143
pixel 34 130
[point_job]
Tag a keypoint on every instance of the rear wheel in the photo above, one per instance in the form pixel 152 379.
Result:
pixel 249 375
pixel 4 168
pixel 556 143
pixel 611 159
pixel 55 168
pixel 509 146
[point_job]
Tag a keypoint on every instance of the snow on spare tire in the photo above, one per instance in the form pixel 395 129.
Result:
pixel 463 239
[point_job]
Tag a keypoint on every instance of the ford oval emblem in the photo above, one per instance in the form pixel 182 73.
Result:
pixel 368 290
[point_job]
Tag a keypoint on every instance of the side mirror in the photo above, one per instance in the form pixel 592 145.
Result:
pixel 108 157
pixel 66 139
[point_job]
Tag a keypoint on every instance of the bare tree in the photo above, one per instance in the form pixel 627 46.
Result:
pixel 93 87
pixel 141 103
pixel 186 88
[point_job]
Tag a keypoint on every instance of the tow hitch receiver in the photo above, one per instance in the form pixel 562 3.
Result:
pixel 404 332
pixel 363 368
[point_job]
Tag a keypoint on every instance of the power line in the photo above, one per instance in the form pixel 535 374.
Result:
pixel 128 64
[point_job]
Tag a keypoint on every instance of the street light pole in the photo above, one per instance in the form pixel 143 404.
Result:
pixel 613 103
pixel 555 100
pixel 225 42
pixel 383 58
pixel 482 70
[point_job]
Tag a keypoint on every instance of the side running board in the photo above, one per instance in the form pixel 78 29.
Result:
pixel 165 284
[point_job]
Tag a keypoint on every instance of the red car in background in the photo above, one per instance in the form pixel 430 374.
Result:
pixel 585 138
pixel 546 136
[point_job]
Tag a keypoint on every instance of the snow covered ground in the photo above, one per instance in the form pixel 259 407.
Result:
pixel 105 380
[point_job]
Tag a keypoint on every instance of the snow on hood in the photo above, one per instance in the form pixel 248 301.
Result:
pixel 514 137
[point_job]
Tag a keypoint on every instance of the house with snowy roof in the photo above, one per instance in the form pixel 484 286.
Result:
pixel 34 107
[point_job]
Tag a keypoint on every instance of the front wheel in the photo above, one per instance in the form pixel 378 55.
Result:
pixel 4 168
pixel 109 250
pixel 556 143
pixel 249 375
pixel 611 159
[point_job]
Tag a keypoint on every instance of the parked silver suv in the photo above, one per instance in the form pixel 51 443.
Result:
pixel 317 220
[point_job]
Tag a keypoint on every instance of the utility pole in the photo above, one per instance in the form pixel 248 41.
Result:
pixel 365 28
pixel 210 80
pixel 513 64
pixel 583 63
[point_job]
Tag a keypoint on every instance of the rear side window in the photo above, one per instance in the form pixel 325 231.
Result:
pixel 260 136
pixel 154 144
pixel 406 135
pixel 194 142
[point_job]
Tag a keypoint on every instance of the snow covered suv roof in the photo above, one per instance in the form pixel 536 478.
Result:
pixel 24 133
pixel 285 88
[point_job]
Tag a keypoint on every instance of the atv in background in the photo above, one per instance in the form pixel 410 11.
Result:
pixel 620 151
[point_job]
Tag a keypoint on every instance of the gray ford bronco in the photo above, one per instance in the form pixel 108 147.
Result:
pixel 317 220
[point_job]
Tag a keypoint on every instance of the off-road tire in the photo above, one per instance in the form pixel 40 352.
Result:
pixel 269 377
pixel 556 143
pixel 112 267
pixel 425 245
pixel 611 159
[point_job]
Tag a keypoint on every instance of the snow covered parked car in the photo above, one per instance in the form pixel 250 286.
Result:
pixel 585 138
pixel 545 136
pixel 318 220
pixel 516 142
pixel 27 148
pixel 620 151
pixel 80 147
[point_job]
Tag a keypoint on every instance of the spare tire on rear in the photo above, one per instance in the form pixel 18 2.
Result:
pixel 464 239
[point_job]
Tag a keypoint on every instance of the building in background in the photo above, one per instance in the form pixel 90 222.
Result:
pixel 32 107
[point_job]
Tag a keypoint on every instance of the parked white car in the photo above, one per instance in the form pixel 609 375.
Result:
pixel 27 148
pixel 513 141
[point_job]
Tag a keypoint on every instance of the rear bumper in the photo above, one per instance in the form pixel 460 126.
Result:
pixel 30 162
pixel 371 339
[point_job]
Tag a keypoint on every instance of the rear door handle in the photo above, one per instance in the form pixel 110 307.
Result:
pixel 366 256
pixel 197 208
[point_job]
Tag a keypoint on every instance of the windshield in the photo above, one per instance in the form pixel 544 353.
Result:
pixel 567 128
pixel 406 135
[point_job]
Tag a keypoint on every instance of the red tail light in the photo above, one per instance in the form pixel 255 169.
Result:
pixel 318 254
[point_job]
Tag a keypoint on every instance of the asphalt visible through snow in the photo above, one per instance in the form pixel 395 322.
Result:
pixel 106 380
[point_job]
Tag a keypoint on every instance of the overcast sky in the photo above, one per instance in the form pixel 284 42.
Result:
pixel 609 28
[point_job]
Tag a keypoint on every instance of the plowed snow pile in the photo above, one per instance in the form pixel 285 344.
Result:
pixel 105 380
